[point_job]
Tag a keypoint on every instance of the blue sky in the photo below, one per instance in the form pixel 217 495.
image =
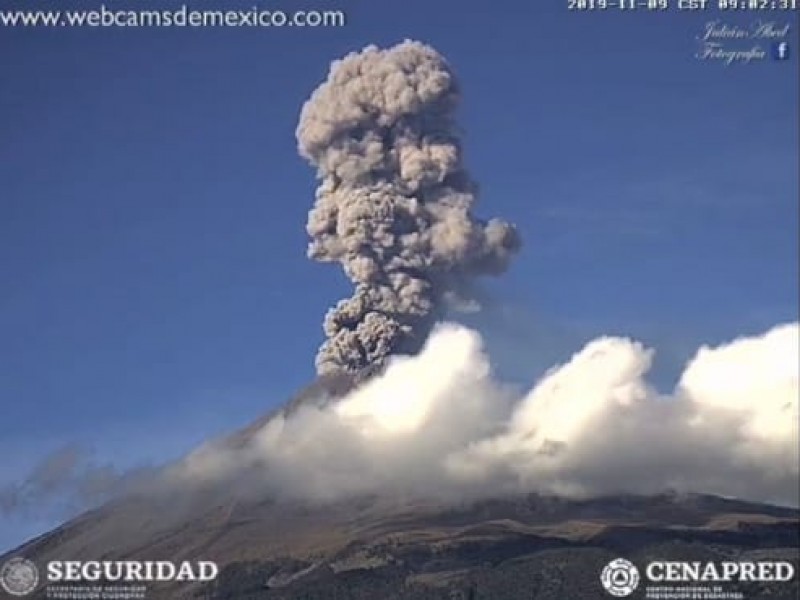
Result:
pixel 154 288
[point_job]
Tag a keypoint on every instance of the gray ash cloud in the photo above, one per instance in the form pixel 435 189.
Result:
pixel 394 205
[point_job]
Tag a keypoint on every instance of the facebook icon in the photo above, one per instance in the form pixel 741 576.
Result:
pixel 780 51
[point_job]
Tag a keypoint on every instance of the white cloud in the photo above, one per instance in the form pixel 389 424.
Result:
pixel 439 424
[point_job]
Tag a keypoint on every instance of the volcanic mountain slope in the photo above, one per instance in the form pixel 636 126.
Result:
pixel 516 547
pixel 523 547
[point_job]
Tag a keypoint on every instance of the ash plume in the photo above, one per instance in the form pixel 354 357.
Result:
pixel 70 479
pixel 395 201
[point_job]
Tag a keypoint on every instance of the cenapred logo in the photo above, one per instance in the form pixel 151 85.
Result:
pixel 620 577
pixel 19 576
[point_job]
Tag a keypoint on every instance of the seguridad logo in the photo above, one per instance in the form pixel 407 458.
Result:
pixel 20 576
pixel 130 570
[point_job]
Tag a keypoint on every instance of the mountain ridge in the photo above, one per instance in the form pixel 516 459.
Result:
pixel 394 547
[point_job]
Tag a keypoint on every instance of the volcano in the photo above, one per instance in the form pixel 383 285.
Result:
pixel 370 547
pixel 394 209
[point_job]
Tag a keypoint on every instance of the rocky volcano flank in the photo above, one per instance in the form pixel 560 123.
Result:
pixel 526 546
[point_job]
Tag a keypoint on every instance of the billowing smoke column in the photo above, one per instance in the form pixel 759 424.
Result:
pixel 394 203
